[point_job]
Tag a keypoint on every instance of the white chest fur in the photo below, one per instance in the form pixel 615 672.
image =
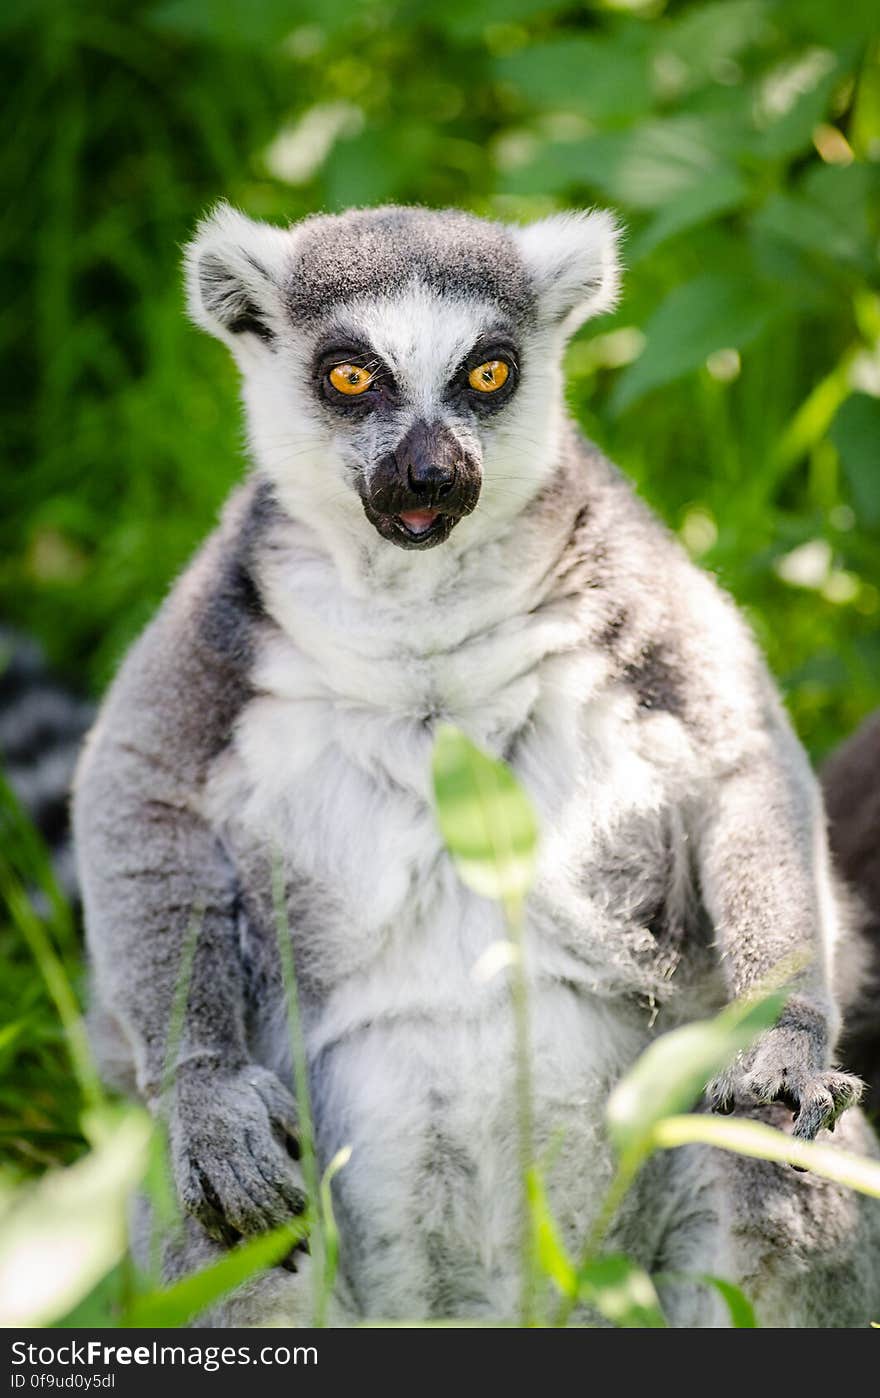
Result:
pixel 411 1046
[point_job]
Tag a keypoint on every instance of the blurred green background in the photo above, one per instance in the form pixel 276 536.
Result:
pixel 737 383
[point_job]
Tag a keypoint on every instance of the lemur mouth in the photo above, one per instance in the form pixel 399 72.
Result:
pixel 417 523
pixel 413 529
pixel 420 529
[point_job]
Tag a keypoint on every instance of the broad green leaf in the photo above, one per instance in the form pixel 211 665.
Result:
pixel 671 1075
pixel 848 194
pixel 827 231
pixel 855 432
pixel 719 193
pixel 60 1236
pixel 466 21
pixel 597 76
pixel 793 98
pixel 762 1142
pixel 621 1291
pixel 831 24
pixel 189 1298
pixel 376 164
pixel 696 45
pixel 711 313
pixel 485 817
pixel 644 167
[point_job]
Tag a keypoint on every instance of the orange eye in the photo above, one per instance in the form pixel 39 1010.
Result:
pixel 489 377
pixel 350 378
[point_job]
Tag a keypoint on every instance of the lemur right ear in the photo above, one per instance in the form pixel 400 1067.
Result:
pixel 234 275
pixel 574 265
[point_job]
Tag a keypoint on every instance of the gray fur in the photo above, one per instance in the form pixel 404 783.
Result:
pixel 283 704
pixel 376 251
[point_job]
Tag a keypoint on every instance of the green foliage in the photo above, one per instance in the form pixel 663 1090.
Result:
pixel 739 139
pixel 487 822
pixel 671 1075
pixel 62 1234
pixel 753 1138
pixel 189 1298
pixel 41 1038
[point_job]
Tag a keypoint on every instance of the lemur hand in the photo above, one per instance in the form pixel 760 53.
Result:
pixel 233 1147
pixel 787 1065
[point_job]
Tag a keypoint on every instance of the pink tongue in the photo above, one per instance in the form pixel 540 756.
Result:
pixel 419 520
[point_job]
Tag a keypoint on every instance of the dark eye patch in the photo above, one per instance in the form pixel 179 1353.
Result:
pixel 346 351
pixel 491 345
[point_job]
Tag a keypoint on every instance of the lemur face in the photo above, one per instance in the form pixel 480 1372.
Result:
pixel 409 388
pixel 401 365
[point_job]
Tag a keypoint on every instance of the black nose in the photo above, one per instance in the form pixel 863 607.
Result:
pixel 430 478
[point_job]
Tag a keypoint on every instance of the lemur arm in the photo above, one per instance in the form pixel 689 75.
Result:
pixel 152 869
pixel 765 881
pixel 156 886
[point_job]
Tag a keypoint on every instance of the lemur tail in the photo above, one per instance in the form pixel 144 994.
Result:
pixel 41 728
pixel 851 783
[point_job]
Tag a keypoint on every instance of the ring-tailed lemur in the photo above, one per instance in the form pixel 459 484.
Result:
pixel 425 538
pixel 851 785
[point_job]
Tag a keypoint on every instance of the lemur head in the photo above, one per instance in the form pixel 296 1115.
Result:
pixel 400 363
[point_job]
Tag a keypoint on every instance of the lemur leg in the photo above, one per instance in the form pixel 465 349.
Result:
pixel 804 1251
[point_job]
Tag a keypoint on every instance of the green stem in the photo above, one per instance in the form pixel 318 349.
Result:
pixel 59 987
pixel 627 1169
pixel 514 916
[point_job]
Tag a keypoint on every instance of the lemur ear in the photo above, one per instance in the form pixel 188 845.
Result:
pixel 234 276
pixel 574 265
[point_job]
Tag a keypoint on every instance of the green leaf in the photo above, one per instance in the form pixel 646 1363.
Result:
pixel 256 23
pixel 828 216
pixel 376 164
pixel 485 817
pixel 60 1236
pixel 831 24
pixel 719 193
pixel 622 1292
pixel 761 1142
pixel 466 21
pixel 189 1298
pixel 855 432
pixel 672 1074
pixel 596 76
pixel 695 46
pixel 553 1259
pixel 742 1312
pixel 788 120
pixel 711 313
pixel 646 167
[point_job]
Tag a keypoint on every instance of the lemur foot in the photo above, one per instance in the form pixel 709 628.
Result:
pixel 781 1068
pixel 234 1147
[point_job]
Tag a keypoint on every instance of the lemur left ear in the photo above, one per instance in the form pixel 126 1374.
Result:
pixel 574 265
pixel 235 271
